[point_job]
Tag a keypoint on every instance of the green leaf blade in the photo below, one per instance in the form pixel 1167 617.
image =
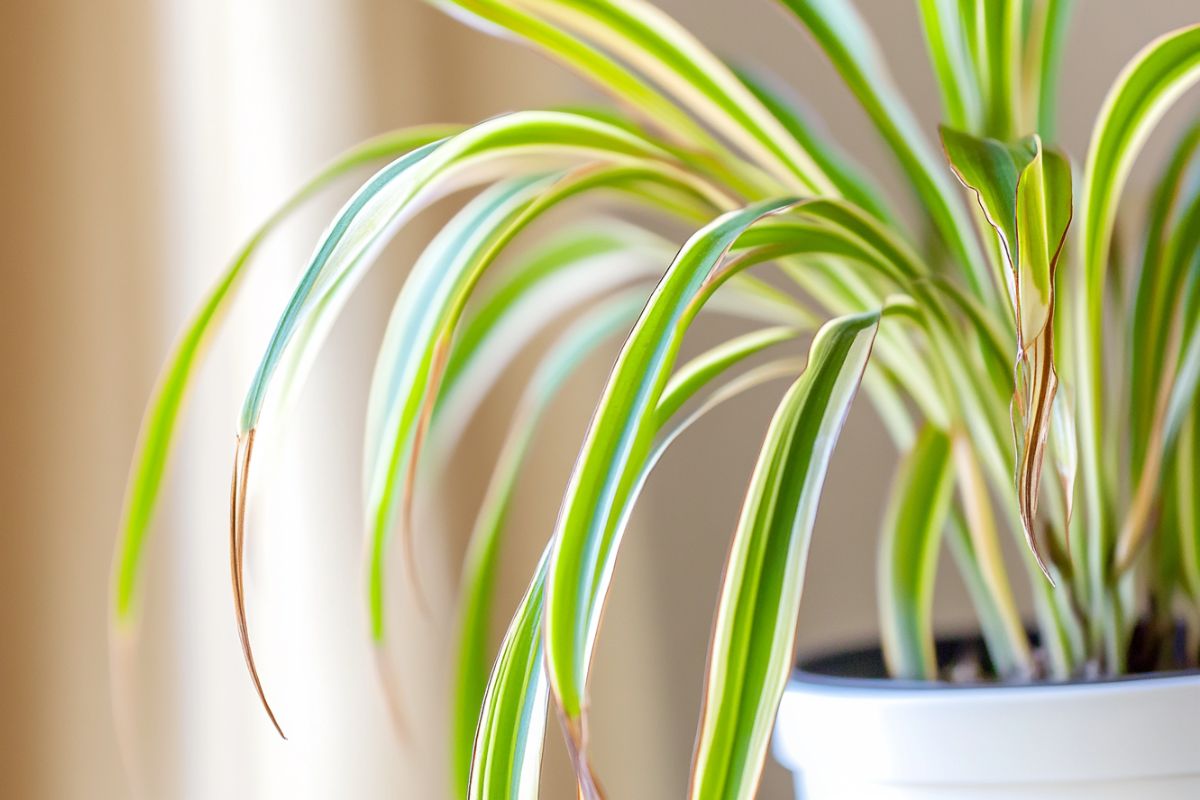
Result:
pixel 754 632
pixel 157 434
pixel 482 561
pixel 842 34
pixel 1145 90
pixel 909 544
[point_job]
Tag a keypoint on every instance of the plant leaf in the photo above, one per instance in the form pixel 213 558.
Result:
pixel 617 443
pixel 479 569
pixel 582 263
pixel 909 542
pixel 1154 294
pixel 991 591
pixel 498 742
pixel 507 758
pixel 1186 474
pixel 1025 194
pixel 645 37
pixel 945 38
pixel 754 633
pixel 842 34
pixel 156 437
pixel 1043 64
pixel 521 143
pixel 1000 35
pixel 657 109
pixel 702 369
pixel 412 359
pixel 849 178
pixel 1143 92
pixel 506 144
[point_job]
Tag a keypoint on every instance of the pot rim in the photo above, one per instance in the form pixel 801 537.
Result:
pixel 888 732
pixel 828 670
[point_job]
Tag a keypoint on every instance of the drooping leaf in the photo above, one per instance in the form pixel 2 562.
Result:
pixel 754 633
pixel 701 370
pixel 644 36
pixel 502 750
pixel 580 264
pixel 166 402
pixel 627 87
pixel 617 443
pixel 992 169
pixel 1043 215
pixel 482 559
pixel 413 356
pixel 519 143
pixel 909 543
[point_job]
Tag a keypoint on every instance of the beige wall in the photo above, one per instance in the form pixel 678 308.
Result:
pixel 90 214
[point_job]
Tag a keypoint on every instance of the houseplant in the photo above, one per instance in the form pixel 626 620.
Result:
pixel 984 339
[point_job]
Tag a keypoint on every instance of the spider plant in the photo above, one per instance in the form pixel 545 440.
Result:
pixel 996 330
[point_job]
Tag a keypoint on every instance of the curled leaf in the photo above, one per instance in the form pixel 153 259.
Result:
pixel 1024 192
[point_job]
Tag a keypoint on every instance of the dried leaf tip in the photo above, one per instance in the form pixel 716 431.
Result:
pixel 576 740
pixel 237 548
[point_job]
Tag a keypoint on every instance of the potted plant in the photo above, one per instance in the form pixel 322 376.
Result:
pixel 1002 339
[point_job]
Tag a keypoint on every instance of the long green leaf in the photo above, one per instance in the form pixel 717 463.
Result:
pixel 946 40
pixel 1186 474
pixel 411 360
pixel 847 177
pixel 479 569
pixel 754 633
pixel 580 264
pixel 1001 45
pixel 504 144
pixel 1157 289
pixel 844 37
pixel 650 40
pixel 702 369
pixel 990 590
pixel 157 433
pixel 506 760
pixel 621 430
pixel 1043 63
pixel 908 552
pixel 503 750
pixel 617 442
pixel 657 109
pixel 1143 92
pixel 517 143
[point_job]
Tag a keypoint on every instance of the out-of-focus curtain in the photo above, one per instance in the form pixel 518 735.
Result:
pixel 140 142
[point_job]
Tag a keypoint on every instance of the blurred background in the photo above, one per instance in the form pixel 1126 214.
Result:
pixel 142 141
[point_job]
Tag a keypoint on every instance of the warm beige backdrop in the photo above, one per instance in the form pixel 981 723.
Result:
pixel 139 142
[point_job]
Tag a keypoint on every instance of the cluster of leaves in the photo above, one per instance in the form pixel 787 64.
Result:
pixel 984 350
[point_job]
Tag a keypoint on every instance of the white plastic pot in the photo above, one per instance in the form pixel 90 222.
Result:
pixel 872 739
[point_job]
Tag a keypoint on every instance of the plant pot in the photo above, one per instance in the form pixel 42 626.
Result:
pixel 848 732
